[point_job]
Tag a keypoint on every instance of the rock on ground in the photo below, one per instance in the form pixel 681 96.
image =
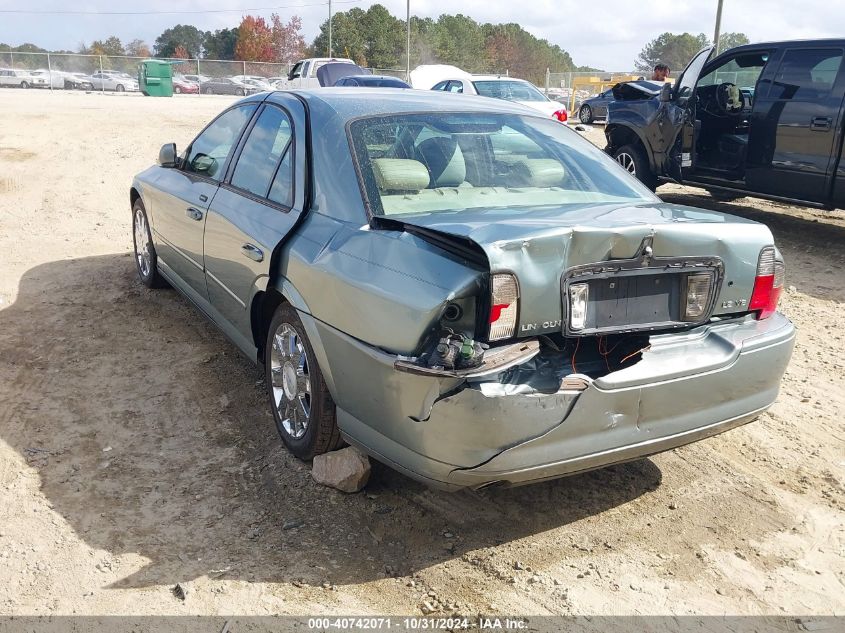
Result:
pixel 347 469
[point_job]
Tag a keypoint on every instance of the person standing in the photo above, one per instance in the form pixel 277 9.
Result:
pixel 661 72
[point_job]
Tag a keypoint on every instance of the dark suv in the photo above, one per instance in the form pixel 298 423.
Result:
pixel 762 119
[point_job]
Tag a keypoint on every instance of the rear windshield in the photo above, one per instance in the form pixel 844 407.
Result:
pixel 447 162
pixel 509 90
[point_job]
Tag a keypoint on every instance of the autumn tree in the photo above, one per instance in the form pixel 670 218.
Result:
pixel 255 40
pixel 180 52
pixel 288 42
pixel 138 48
pixel 109 46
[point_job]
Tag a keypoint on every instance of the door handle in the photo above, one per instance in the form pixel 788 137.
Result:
pixel 253 252
pixel 820 123
pixel 194 214
pixel 203 197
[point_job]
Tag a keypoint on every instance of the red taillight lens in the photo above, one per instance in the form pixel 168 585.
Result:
pixel 504 305
pixel 561 116
pixel 767 284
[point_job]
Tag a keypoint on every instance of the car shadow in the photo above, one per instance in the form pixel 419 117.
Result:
pixel 150 435
pixel 814 251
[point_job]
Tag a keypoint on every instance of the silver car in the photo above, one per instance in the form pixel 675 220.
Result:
pixel 461 287
pixel 113 81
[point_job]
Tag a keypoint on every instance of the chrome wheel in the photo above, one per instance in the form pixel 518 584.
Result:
pixel 142 244
pixel 291 380
pixel 627 161
pixel 585 114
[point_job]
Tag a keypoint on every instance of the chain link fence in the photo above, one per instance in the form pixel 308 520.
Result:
pixel 69 70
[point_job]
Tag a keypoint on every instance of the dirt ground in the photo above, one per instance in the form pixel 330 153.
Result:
pixel 137 450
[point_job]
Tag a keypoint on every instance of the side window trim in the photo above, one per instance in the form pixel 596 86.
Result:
pixel 235 157
pixel 235 145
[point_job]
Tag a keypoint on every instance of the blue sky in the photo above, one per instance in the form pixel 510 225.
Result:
pixel 609 37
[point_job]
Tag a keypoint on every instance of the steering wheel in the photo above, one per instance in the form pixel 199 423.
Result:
pixel 729 99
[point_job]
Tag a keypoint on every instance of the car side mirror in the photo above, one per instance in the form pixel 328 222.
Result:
pixel 666 93
pixel 167 155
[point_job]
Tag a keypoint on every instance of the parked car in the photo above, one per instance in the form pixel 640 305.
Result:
pixel 79 81
pixel 371 81
pixel 760 119
pixel 506 88
pixel 112 80
pixel 596 106
pixel 197 79
pixel 277 82
pixel 261 83
pixel 226 86
pixel 466 291
pixel 43 78
pixel 11 78
pixel 181 85
pixel 303 74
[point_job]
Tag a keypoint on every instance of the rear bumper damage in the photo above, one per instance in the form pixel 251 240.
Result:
pixel 536 420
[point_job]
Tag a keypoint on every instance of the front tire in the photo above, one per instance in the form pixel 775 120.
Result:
pixel 120 88
pixel 177 90
pixel 24 85
pixel 146 260
pixel 585 114
pixel 302 406
pixel 241 92
pixel 634 161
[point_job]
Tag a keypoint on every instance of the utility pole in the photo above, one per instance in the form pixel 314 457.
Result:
pixel 718 26
pixel 408 43
pixel 330 28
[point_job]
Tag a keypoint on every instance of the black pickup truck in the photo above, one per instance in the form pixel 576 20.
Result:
pixel 761 119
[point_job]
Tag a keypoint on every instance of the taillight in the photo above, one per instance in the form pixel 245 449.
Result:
pixel 504 305
pixel 767 284
pixel 561 115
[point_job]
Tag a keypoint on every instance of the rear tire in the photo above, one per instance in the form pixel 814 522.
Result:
pixel 634 161
pixel 177 90
pixel 241 92
pixel 302 406
pixel 24 85
pixel 585 114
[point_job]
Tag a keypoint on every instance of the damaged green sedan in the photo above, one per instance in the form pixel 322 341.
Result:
pixel 463 289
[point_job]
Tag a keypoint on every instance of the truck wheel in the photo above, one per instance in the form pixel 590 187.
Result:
pixel 585 114
pixel 633 159
pixel 302 405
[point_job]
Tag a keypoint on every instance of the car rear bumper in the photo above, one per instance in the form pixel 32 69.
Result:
pixel 454 433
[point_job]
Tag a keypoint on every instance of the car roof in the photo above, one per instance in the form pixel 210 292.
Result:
pixel 353 102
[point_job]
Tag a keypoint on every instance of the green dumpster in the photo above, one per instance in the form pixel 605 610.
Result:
pixel 155 78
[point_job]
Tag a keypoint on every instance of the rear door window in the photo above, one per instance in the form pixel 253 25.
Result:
pixel 806 74
pixel 267 145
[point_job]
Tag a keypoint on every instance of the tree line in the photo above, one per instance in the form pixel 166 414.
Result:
pixel 377 39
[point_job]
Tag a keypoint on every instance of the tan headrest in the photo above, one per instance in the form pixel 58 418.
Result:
pixel 395 175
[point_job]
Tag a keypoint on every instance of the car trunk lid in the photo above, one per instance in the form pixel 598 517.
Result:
pixel 546 248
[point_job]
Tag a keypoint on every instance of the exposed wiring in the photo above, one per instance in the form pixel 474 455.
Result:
pixel 644 349
pixel 575 353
